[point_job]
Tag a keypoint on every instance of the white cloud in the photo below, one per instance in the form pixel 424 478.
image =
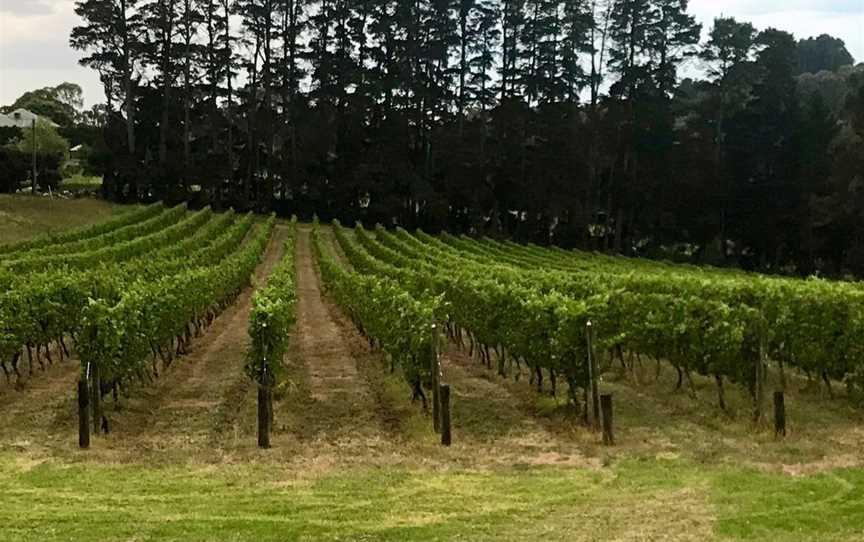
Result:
pixel 27 7
pixel 35 52
pixel 843 19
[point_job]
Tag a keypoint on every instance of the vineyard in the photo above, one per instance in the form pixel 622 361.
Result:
pixel 531 308
pixel 300 364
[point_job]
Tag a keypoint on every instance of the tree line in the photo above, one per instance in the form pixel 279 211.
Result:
pixel 603 124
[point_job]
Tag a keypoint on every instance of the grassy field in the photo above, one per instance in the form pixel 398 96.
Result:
pixel 23 217
pixel 634 500
pixel 354 459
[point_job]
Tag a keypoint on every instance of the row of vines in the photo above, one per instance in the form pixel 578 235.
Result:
pixel 531 306
pixel 130 294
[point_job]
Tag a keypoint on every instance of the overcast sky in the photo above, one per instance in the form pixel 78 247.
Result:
pixel 35 52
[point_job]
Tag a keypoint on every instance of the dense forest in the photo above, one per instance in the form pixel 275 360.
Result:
pixel 612 125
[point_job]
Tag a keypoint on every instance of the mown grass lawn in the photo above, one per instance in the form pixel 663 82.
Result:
pixel 632 500
pixel 23 217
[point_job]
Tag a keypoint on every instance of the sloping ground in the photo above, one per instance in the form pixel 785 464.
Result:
pixel 201 395
pixel 23 217
pixel 355 459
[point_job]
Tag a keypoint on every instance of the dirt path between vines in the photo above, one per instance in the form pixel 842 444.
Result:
pixel 490 424
pixel 330 411
pixel 197 401
pixel 35 412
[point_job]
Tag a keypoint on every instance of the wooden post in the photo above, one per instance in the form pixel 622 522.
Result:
pixel 445 415
pixel 779 414
pixel 264 410
pixel 435 370
pixel 592 377
pixel 83 414
pixel 606 408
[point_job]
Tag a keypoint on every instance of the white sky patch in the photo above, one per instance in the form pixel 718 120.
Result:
pixel 843 19
pixel 35 52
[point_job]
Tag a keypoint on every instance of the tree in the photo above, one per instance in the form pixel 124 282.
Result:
pixel 540 119
pixel 824 53
pixel 767 194
pixel 728 55
pixel 47 148
pixel 110 35
pixel 59 104
pixel 47 140
pixel 482 37
pixel 730 44
pixel 512 22
pixel 674 36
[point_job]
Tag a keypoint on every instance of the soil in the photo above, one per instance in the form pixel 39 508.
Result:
pixel 340 405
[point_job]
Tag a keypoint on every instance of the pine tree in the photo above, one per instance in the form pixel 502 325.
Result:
pixel 110 35
pixel 512 22
pixel 161 18
pixel 575 30
pixel 484 35
pixel 674 36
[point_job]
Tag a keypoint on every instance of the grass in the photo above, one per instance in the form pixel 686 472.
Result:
pixel 23 217
pixel 82 183
pixel 521 466
pixel 634 500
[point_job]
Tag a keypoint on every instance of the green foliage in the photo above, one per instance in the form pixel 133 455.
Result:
pixel 534 304
pixel 123 243
pixel 824 53
pixel 59 104
pixel 268 502
pixel 120 336
pixel 47 140
pixel 398 319
pixel 271 319
pixel 42 307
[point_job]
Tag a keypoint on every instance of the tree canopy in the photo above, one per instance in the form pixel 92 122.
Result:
pixel 554 121
pixel 59 104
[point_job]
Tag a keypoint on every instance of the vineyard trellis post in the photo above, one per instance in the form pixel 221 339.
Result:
pixel 606 409
pixel 84 410
pixel 592 376
pixel 446 434
pixel 779 414
pixel 264 408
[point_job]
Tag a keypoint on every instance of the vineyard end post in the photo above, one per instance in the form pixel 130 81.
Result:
pixel 606 408
pixel 779 414
pixel 446 429
pixel 263 410
pixel 83 414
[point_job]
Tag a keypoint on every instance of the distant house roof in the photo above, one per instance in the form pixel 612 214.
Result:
pixel 21 118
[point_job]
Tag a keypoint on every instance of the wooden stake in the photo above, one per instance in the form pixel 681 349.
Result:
pixel 779 414
pixel 83 415
pixel 606 408
pixel 445 415
pixel 264 411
